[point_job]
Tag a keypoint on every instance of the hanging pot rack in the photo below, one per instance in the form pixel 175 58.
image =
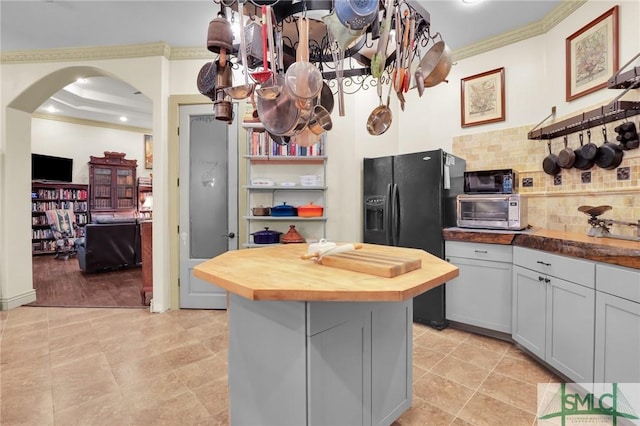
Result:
pixel 357 66
pixel 613 111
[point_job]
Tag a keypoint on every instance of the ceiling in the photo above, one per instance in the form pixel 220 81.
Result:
pixel 48 24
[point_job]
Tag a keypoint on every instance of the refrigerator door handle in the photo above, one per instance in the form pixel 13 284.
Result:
pixel 395 216
pixel 388 209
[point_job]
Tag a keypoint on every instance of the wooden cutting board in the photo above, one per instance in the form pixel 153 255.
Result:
pixel 372 263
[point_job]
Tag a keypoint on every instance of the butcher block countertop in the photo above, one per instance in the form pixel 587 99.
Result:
pixel 278 273
pixel 606 250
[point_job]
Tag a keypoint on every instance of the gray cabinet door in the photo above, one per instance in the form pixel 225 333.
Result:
pixel 339 372
pixel 570 329
pixel 529 310
pixel 617 340
pixel 481 294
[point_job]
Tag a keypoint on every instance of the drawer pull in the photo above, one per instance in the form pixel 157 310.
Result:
pixel 547 280
pixel 540 278
pixel 543 263
pixel 481 251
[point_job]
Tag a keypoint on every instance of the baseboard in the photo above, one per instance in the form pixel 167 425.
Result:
pixel 19 300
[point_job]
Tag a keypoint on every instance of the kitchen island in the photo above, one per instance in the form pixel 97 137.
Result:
pixel 312 344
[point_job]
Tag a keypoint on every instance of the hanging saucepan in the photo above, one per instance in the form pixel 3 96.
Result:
pixel 550 162
pixel 326 97
pixel 285 115
pixel 609 154
pixel 280 140
pixel 207 80
pixel 590 149
pixel 435 66
pixel 581 162
pixel 566 156
pixel 356 14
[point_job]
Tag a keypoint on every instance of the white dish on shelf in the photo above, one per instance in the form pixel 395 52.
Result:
pixel 309 180
pixel 260 181
pixel 287 184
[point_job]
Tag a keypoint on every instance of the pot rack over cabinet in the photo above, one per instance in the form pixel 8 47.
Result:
pixel 613 111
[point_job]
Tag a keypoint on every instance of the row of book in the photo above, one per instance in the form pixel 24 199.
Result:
pixel 260 144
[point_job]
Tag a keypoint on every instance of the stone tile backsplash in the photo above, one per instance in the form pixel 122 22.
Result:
pixel 554 201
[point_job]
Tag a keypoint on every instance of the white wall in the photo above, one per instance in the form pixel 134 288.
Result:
pixel 77 141
pixel 534 82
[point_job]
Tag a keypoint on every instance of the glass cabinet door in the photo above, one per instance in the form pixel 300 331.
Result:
pixel 102 188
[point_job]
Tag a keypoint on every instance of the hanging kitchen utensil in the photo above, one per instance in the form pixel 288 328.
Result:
pixel 207 80
pixel 285 115
pixel 245 90
pixel 380 118
pixel 550 163
pixel 581 162
pixel 219 34
pixel 609 155
pixel 356 14
pixel 590 149
pixel 223 74
pixel 320 120
pixel 566 156
pixel 338 59
pixel 435 65
pixel 378 60
pixel 303 78
pixel 270 88
pixel 264 75
pixel 326 97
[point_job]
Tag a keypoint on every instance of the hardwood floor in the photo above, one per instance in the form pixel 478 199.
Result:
pixel 61 283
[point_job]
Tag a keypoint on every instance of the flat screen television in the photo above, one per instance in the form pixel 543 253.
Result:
pixel 47 167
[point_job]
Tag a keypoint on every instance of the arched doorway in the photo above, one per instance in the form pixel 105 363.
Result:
pixel 16 284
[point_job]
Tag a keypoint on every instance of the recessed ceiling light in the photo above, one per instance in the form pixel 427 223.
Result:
pixel 123 118
pixel 471 1
pixel 51 108
pixel 81 80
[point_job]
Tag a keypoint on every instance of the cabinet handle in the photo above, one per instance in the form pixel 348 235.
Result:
pixel 542 263
pixel 547 280
pixel 480 251
pixel 540 278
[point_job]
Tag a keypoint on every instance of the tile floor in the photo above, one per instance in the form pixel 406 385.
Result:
pixel 81 366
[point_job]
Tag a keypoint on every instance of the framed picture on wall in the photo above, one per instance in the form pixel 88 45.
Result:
pixel 482 98
pixel 592 55
pixel 148 151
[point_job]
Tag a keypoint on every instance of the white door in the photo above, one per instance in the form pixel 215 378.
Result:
pixel 208 200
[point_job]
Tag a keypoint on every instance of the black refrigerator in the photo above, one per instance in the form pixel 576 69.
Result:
pixel 408 200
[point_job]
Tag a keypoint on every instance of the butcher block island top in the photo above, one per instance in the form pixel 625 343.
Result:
pixel 278 273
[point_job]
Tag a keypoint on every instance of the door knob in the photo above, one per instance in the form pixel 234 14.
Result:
pixel 230 235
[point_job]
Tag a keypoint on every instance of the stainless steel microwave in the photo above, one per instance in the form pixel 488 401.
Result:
pixel 492 211
pixel 504 181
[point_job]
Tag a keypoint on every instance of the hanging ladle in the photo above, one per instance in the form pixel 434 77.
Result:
pixel 264 75
pixel 270 89
pixel 245 90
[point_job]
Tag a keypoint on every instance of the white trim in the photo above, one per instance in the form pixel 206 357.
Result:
pixel 19 300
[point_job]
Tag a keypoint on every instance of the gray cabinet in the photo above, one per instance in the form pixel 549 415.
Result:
pixel 617 330
pixel 554 310
pixel 481 294
pixel 335 363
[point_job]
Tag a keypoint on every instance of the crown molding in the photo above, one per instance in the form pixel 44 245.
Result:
pixel 554 17
pixel 91 123
pixel 534 29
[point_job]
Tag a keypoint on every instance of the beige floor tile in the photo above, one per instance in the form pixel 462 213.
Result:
pixel 168 340
pixel 139 369
pixel 153 391
pixel 436 342
pixel 70 329
pixel 422 413
pixel 426 358
pixel 25 315
pixel 483 410
pixel 442 393
pixel 461 372
pixel 214 395
pixel 476 355
pixel 26 407
pixel 418 372
pixel 104 410
pixel 453 334
pixel 489 343
pixel 180 409
pixel 511 391
pixel 201 372
pixel 187 354
pixel 527 371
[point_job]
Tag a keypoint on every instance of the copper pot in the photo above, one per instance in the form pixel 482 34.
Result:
pixel 285 115
pixel 219 35
pixel 223 110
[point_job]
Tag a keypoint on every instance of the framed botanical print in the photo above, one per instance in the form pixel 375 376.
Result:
pixel 148 151
pixel 592 55
pixel 482 98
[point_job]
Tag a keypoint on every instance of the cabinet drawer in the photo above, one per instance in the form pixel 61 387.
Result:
pixel 567 268
pixel 618 281
pixel 480 251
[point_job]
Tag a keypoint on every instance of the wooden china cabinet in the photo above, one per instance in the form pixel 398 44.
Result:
pixel 112 184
